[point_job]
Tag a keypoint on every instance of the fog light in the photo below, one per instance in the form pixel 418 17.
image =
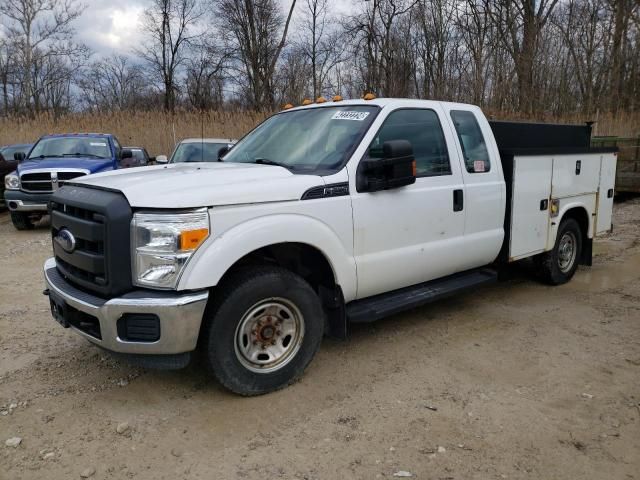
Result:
pixel 139 327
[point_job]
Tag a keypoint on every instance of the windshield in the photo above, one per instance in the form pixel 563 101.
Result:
pixel 71 147
pixel 315 140
pixel 197 152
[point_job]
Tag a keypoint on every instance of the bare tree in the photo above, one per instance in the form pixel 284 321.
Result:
pixel 373 31
pixel 292 82
pixel 322 45
pixel 581 23
pixel 205 75
pixel 623 12
pixel 259 33
pixel 475 27
pixel 7 61
pixel 519 23
pixel 169 27
pixel 41 28
pixel 112 83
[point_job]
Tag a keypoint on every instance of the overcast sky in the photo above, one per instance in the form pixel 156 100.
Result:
pixel 112 26
pixel 109 26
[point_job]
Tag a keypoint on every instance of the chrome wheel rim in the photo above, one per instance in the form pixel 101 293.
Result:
pixel 269 335
pixel 567 251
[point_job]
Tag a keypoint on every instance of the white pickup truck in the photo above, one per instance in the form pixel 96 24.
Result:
pixel 331 213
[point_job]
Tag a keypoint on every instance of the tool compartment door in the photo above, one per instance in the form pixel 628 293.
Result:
pixel 575 174
pixel 605 192
pixel 530 205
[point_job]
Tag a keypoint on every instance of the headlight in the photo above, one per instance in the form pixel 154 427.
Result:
pixel 12 181
pixel 162 243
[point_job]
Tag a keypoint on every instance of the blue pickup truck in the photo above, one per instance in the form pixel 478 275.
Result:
pixel 53 160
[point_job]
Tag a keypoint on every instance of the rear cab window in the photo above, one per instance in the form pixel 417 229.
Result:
pixel 474 147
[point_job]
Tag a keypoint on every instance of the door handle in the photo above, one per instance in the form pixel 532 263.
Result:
pixel 458 200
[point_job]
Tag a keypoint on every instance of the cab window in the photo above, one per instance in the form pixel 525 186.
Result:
pixel 474 148
pixel 422 129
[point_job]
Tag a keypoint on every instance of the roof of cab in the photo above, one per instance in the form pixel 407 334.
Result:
pixel 379 102
pixel 208 140
pixel 81 134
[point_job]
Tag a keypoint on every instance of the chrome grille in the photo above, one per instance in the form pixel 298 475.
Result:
pixel 47 181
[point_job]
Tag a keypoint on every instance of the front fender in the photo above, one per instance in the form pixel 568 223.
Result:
pixel 219 253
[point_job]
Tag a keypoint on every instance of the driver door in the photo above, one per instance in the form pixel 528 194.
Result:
pixel 414 233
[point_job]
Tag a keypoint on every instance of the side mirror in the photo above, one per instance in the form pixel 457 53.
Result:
pixel 19 156
pixel 395 169
pixel 161 159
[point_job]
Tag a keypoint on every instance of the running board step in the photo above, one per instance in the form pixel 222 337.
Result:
pixel 385 304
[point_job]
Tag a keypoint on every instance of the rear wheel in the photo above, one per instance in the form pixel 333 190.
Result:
pixel 262 330
pixel 560 264
pixel 21 221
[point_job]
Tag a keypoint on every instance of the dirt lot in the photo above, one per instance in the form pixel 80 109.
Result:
pixel 519 380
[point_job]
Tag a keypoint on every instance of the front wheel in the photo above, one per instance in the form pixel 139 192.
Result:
pixel 22 221
pixel 263 328
pixel 560 264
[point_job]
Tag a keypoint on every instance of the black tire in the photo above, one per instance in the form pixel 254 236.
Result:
pixel 553 267
pixel 228 316
pixel 21 221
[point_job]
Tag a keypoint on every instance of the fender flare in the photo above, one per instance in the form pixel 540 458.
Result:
pixel 219 253
pixel 581 202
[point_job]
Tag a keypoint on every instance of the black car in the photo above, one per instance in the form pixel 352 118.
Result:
pixel 8 162
pixel 9 151
pixel 139 158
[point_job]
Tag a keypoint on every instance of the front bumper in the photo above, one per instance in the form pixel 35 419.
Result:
pixel 179 315
pixel 19 201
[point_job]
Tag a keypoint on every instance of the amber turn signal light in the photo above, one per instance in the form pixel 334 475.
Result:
pixel 191 239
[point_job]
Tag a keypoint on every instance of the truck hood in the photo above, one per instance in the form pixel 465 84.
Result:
pixel 191 185
pixel 91 164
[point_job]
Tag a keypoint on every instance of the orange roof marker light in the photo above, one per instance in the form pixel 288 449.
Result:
pixel 306 101
pixel 369 96
pixel 287 106
pixel 337 98
pixel 321 100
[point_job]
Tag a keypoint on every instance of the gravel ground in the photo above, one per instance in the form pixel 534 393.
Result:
pixel 518 380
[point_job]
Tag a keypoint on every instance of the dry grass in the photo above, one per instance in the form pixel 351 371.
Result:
pixel 159 131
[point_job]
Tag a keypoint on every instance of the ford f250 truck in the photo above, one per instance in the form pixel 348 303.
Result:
pixel 49 164
pixel 336 212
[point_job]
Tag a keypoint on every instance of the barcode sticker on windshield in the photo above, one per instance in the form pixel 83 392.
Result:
pixel 350 115
pixel 98 144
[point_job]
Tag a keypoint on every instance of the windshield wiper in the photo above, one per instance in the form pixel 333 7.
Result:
pixel 81 155
pixel 266 161
pixel 42 156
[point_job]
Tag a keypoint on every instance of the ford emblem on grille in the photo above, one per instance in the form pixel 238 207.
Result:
pixel 66 240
